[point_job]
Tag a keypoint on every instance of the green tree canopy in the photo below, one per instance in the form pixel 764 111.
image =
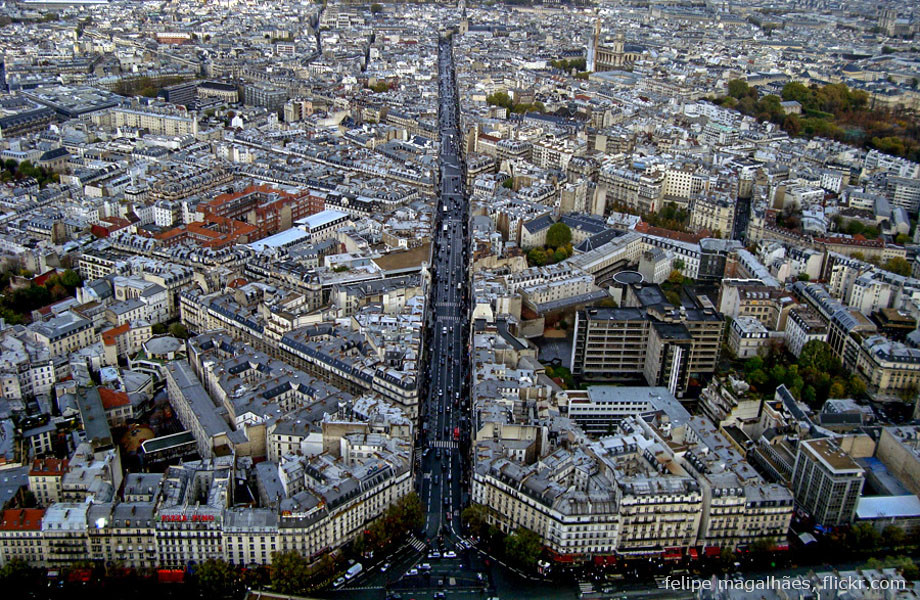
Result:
pixel 500 98
pixel 179 330
pixel 15 573
pixel 798 92
pixel 818 355
pixel 524 547
pixel 289 572
pixel 474 517
pixel 559 234
pixel 376 7
pixel 216 578
pixel 738 88
pixel 897 264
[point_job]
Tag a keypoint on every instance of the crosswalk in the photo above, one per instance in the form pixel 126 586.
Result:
pixel 585 588
pixel 416 543
pixel 443 444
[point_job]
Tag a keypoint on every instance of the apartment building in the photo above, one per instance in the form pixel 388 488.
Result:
pixel 123 533
pixel 648 337
pixel 712 212
pixel 26 367
pixel 21 535
pixel 888 367
pixel 198 413
pixel 193 497
pixel 64 333
pixel 747 337
pixel 826 482
pixel 157 122
pixel 899 450
pixel 636 190
pixel 802 326
pixel 45 479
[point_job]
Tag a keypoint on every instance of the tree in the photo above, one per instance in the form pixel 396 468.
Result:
pixel 856 386
pixel 524 547
pixel 216 578
pixel 560 255
pixel 803 277
pixel 607 302
pixel 863 536
pixel 902 238
pixel 475 517
pixel 676 277
pixel 179 330
pixel 893 536
pixel 738 88
pixel 411 511
pixel 536 256
pixel 289 572
pixel 558 235
pixel 500 98
pixel 15 573
pixel 818 355
pixel 508 183
pixel 897 265
pixel 838 390
pixel 376 7
pixel 71 279
pixel 798 92
pixel 158 329
pixel 678 264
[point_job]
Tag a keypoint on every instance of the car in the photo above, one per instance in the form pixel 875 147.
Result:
pixel 446 500
pixel 438 595
pixel 450 554
pixel 424 567
pixel 411 572
pixel 338 582
pixel 385 567
pixel 436 479
pixel 450 516
pixel 434 554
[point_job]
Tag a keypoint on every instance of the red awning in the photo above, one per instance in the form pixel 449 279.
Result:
pixel 564 558
pixel 713 551
pixel 693 553
pixel 672 554
pixel 782 548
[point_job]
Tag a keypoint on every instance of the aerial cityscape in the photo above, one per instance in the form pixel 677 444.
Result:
pixel 522 299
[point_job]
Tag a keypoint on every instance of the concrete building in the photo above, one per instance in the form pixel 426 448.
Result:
pixel 827 482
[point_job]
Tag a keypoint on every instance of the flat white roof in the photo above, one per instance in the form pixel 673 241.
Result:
pixel 878 507
pixel 280 240
pixel 321 219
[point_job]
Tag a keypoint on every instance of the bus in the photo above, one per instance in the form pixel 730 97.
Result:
pixel 354 570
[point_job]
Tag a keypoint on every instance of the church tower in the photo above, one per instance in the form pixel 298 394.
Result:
pixel 464 21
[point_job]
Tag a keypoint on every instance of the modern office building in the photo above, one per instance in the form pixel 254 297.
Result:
pixel 827 482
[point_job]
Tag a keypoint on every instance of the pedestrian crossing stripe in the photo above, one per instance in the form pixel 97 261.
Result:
pixel 444 444
pixel 417 543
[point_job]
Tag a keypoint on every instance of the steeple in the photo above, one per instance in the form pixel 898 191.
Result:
pixel 464 21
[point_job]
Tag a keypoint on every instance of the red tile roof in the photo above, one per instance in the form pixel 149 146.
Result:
pixel 49 466
pixel 108 336
pixel 26 519
pixel 112 399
